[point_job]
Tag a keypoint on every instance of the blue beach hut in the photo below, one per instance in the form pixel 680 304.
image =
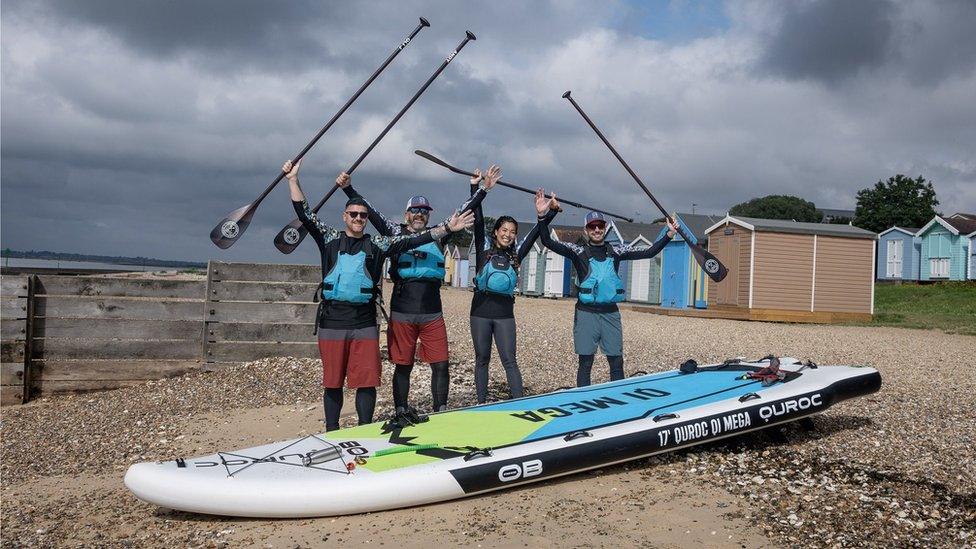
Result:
pixel 899 251
pixel 683 283
pixel 946 247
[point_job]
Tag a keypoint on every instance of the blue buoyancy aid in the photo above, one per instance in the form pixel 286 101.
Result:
pixel 349 281
pixel 498 276
pixel 425 261
pixel 602 284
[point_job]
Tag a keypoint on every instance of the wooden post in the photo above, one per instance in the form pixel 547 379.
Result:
pixel 29 338
pixel 209 311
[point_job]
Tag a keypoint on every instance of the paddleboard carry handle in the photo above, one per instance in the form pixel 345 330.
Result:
pixel 577 434
pixel 748 396
pixel 320 456
pixel 478 453
pixel 638 373
pixel 662 417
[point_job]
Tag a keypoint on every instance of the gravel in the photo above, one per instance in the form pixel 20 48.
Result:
pixel 894 468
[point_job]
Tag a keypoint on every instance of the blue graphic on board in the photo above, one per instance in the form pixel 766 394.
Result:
pixel 589 407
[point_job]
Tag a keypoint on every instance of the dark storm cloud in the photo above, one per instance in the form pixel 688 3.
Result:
pixel 831 40
pixel 132 127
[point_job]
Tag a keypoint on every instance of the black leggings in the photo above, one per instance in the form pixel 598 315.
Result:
pixel 439 382
pixel 365 404
pixel 503 331
pixel 586 364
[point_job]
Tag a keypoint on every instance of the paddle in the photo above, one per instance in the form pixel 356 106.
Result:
pixel 435 160
pixel 231 227
pixel 289 237
pixel 709 263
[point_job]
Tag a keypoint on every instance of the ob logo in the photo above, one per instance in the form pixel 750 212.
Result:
pixel 515 471
pixel 711 266
pixel 230 229
pixel 291 235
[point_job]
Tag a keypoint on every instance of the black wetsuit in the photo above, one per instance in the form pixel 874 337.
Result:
pixel 493 314
pixel 597 323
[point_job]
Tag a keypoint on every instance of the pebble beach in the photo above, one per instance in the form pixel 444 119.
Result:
pixel 895 468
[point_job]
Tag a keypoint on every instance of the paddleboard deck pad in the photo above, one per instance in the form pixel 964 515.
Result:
pixel 468 451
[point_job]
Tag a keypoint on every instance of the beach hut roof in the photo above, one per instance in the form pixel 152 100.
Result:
pixel 786 226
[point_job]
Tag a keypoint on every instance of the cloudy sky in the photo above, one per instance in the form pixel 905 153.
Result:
pixel 130 127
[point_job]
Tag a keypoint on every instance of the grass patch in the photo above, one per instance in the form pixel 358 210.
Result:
pixel 946 306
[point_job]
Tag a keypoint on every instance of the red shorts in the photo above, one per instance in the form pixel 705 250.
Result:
pixel 402 337
pixel 352 356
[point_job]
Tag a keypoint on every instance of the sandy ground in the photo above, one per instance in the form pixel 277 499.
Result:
pixel 894 468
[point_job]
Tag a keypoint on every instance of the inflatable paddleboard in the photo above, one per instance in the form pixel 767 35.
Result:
pixel 473 450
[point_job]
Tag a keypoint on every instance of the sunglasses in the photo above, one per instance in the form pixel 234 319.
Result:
pixel 424 211
pixel 592 226
pixel 355 215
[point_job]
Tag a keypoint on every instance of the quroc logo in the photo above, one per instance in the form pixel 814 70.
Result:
pixel 291 236
pixel 229 229
pixel 515 471
pixel 790 406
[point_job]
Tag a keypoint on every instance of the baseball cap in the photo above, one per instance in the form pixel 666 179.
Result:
pixel 418 202
pixel 593 217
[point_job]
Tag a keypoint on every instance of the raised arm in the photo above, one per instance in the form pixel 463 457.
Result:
pixel 321 232
pixel 393 245
pixel 384 225
pixel 479 226
pixel 625 253
pixel 526 245
pixel 542 208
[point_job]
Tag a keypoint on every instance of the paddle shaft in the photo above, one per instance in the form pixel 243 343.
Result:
pixel 469 36
pixel 434 159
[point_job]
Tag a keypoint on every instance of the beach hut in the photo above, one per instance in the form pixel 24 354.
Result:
pixel 898 254
pixel 785 270
pixel 532 271
pixel 460 278
pixel 643 276
pixel 449 260
pixel 946 247
pixel 682 280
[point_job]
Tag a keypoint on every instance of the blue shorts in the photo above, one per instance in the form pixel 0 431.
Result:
pixel 598 329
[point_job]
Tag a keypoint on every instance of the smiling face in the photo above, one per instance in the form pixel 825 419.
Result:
pixel 355 218
pixel 596 231
pixel 506 234
pixel 416 219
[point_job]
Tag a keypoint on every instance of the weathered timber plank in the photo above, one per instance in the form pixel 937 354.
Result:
pixel 77 386
pixel 243 331
pixel 105 370
pixel 86 307
pixel 289 313
pixel 13 329
pixel 11 394
pixel 120 287
pixel 13 286
pixel 12 373
pixel 299 292
pixel 13 307
pixel 58 348
pixel 264 272
pixel 244 352
pixel 12 351
pixel 117 328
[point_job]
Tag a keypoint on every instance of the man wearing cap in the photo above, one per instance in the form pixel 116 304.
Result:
pixel 352 263
pixel 415 308
pixel 596 322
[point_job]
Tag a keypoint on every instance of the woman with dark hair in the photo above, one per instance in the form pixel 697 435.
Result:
pixel 497 261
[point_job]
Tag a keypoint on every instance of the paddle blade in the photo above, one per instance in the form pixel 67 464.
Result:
pixel 438 161
pixel 230 228
pixel 709 263
pixel 290 236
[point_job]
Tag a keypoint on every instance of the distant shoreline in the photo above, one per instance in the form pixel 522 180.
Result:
pixel 104 259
